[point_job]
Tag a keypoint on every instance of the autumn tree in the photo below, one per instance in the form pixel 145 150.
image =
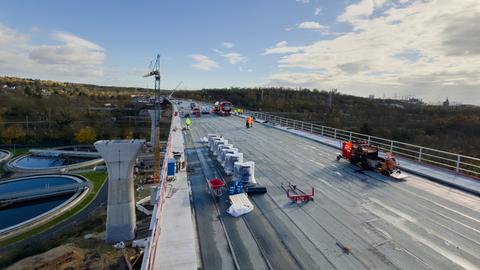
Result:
pixel 13 133
pixel 85 135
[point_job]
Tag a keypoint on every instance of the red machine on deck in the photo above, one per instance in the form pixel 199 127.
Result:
pixel 366 156
pixel 223 108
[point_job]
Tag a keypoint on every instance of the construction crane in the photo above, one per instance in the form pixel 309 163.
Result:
pixel 156 144
pixel 174 89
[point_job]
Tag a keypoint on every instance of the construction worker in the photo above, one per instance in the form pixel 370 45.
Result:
pixel 187 122
pixel 250 121
pixel 247 121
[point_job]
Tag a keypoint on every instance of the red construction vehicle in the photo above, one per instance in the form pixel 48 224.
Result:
pixel 223 108
pixel 196 111
pixel 366 156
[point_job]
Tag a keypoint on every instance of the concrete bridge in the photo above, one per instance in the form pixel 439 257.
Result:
pixel 358 220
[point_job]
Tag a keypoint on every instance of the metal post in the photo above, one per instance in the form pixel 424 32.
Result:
pixel 302 125
pixel 420 151
pixel 311 128
pixel 322 130
pixel 457 169
pixel 368 140
pixel 26 120
pixel 350 137
pixel 391 146
pixel 335 133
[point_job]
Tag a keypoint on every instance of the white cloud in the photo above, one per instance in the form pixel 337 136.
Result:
pixel 72 58
pixel 74 50
pixel 428 47
pixel 234 58
pixel 282 48
pixel 73 40
pixel 360 10
pixel 313 26
pixel 303 1
pixel 203 62
pixel 227 45
pixel 318 10
pixel 9 36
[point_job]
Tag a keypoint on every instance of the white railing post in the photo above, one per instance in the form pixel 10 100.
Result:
pixel 391 146
pixel 369 139
pixel 322 130
pixel 335 133
pixel 420 151
pixel 302 125
pixel 457 168
pixel 350 136
pixel 311 128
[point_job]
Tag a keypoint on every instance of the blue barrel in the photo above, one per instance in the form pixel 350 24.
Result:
pixel 171 167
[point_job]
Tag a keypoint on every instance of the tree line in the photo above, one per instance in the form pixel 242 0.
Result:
pixel 452 128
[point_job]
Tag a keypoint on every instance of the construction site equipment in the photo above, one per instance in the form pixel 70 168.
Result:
pixel 235 187
pixel 223 108
pixel 230 160
pixel 216 187
pixel 297 195
pixel 196 112
pixel 252 190
pixel 366 156
pixel 156 143
pixel 240 205
pixel 244 172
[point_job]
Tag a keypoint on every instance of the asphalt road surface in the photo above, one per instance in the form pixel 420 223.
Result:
pixel 385 223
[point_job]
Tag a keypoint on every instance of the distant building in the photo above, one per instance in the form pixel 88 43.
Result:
pixel 446 103
pixel 414 100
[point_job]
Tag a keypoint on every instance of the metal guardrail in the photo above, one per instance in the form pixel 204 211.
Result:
pixel 155 228
pixel 458 163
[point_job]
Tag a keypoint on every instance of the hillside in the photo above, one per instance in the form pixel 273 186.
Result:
pixel 37 112
pixel 58 109
pixel 452 128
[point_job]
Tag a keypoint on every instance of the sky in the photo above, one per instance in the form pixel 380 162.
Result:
pixel 429 49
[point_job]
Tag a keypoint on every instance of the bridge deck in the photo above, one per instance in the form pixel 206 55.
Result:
pixel 388 224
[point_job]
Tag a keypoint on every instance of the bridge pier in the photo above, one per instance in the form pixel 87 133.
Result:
pixel 119 156
pixel 154 120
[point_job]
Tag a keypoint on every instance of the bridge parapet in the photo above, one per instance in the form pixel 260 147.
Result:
pixel 460 164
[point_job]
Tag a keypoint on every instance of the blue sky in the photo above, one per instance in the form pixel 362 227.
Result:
pixel 361 47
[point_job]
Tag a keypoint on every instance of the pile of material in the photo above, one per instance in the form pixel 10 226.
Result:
pixel 244 181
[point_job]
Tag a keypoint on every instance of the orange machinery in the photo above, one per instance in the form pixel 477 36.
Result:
pixel 366 156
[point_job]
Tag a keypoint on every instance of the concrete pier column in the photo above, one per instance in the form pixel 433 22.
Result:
pixel 153 130
pixel 119 156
